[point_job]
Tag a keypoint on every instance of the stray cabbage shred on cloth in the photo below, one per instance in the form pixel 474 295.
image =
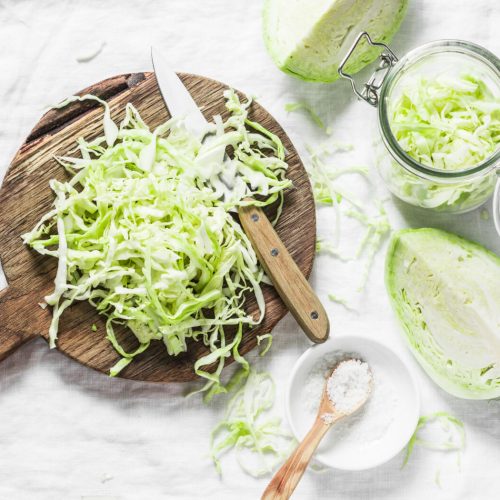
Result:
pixel 248 427
pixel 450 436
pixel 144 231
pixel 292 107
pixel 324 176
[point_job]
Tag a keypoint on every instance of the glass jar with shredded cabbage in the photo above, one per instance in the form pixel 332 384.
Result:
pixel 439 123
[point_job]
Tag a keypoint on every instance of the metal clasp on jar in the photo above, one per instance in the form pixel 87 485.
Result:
pixel 371 88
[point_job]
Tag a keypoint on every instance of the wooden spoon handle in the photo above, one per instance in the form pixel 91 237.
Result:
pixel 14 320
pixel 287 278
pixel 288 476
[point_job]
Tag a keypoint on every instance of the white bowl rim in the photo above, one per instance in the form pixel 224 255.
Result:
pixel 329 345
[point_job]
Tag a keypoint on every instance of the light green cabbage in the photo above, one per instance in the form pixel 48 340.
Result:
pixel 143 230
pixel 449 197
pixel 324 176
pixel 445 291
pixel 261 338
pixel 447 123
pixel 303 106
pixel 451 435
pixel 309 38
pixel 249 427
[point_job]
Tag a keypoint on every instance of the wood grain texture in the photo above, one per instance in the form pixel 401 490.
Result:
pixel 25 196
pixel 288 476
pixel 286 276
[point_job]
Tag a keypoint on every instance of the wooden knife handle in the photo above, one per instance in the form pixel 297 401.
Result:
pixel 287 278
pixel 15 317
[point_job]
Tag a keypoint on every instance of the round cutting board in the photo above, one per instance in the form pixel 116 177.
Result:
pixel 25 196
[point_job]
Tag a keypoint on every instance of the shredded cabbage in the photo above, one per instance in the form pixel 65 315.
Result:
pixel 302 106
pixel 450 435
pixel 446 123
pixel 454 197
pixel 257 437
pixel 339 300
pixel 327 191
pixel 87 54
pixel 378 228
pixel 327 247
pixel 143 230
pixel 437 478
pixel 269 338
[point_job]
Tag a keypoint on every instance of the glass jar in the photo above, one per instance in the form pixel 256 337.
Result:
pixel 452 191
pixel 496 207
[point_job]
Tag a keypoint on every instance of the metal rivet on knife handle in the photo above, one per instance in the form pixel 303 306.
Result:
pixel 286 276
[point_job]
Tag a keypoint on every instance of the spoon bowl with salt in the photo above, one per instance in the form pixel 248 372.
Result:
pixel 346 390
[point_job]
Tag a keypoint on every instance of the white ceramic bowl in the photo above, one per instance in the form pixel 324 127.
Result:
pixel 355 454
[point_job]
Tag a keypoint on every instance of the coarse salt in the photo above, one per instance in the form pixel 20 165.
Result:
pixel 328 418
pixel 349 385
pixel 367 426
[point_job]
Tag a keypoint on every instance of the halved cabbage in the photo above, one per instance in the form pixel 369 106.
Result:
pixel 446 292
pixel 308 39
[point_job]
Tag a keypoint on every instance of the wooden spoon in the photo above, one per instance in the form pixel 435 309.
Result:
pixel 288 476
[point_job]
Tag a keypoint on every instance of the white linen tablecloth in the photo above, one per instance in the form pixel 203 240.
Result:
pixel 67 432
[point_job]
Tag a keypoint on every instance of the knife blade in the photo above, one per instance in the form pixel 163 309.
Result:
pixel 287 278
pixel 176 97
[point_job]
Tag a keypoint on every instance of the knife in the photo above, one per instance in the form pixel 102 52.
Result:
pixel 279 265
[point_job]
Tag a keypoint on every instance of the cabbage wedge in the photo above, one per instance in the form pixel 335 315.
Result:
pixel 445 291
pixel 308 39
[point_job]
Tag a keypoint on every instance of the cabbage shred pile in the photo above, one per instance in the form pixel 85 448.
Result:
pixel 143 230
pixel 447 123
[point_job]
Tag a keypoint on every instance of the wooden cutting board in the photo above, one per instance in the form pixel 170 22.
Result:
pixel 25 196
